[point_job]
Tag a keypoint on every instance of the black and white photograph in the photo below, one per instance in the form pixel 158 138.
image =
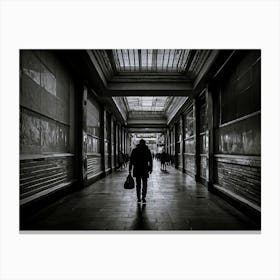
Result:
pixel 140 139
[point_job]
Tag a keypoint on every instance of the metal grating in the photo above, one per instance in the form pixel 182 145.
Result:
pixel 151 60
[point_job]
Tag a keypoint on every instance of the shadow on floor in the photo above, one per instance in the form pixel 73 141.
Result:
pixel 141 221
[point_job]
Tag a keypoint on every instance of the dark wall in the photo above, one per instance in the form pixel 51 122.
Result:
pixel 225 152
pixel 47 120
pixel 45 93
pixel 237 129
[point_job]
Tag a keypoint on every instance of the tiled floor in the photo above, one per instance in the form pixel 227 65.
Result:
pixel 174 202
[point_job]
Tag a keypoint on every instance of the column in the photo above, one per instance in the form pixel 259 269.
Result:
pixel 210 138
pixel 183 142
pixel 196 137
pixel 109 122
pixel 81 110
pixel 102 137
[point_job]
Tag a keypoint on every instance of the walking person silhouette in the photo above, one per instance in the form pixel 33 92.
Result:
pixel 142 162
pixel 163 160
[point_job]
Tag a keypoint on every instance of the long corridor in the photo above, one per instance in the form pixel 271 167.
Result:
pixel 174 202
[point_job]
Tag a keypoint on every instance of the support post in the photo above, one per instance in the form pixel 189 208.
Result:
pixel 102 138
pixel 81 110
pixel 183 142
pixel 196 137
pixel 109 122
pixel 176 144
pixel 210 138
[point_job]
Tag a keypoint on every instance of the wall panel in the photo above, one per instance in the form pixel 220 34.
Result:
pixel 239 175
pixel 237 141
pixel 46 160
pixel 44 174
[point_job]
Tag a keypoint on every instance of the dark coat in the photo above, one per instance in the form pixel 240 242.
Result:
pixel 163 157
pixel 141 159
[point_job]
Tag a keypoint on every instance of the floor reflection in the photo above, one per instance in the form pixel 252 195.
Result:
pixel 141 221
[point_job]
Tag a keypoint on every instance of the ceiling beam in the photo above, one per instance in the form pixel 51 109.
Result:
pixel 112 62
pixel 146 122
pixel 142 78
pixel 206 66
pixel 97 67
pixel 145 130
pixel 150 86
pixel 189 60
pixel 109 93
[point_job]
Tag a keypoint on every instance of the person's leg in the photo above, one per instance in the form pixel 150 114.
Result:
pixel 138 188
pixel 144 189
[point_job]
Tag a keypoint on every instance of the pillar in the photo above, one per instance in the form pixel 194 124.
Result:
pixel 196 137
pixel 109 131
pixel 210 138
pixel 183 142
pixel 81 110
pixel 102 137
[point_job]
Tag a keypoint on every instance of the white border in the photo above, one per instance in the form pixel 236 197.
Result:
pixel 146 24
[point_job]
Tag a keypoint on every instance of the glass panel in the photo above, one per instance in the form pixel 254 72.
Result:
pixel 151 60
pixel 136 58
pixel 132 59
pixel 160 60
pixel 171 59
pixel 120 58
pixel 147 103
pixel 150 54
pixel 48 80
pixel 189 124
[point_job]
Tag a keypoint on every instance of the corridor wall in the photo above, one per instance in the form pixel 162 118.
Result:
pixel 237 130
pixel 47 125
pixel 222 131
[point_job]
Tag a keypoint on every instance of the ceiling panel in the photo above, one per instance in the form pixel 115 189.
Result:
pixel 151 60
pixel 147 103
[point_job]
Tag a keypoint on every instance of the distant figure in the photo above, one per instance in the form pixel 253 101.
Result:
pixel 142 161
pixel 121 159
pixel 167 159
pixel 163 160
pixel 126 159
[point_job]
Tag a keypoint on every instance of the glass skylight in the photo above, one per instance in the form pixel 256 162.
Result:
pixel 150 60
pixel 148 103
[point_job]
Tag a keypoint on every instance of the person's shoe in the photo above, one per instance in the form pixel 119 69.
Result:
pixel 138 200
pixel 144 201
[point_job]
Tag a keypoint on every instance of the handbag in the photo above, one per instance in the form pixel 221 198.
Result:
pixel 129 183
